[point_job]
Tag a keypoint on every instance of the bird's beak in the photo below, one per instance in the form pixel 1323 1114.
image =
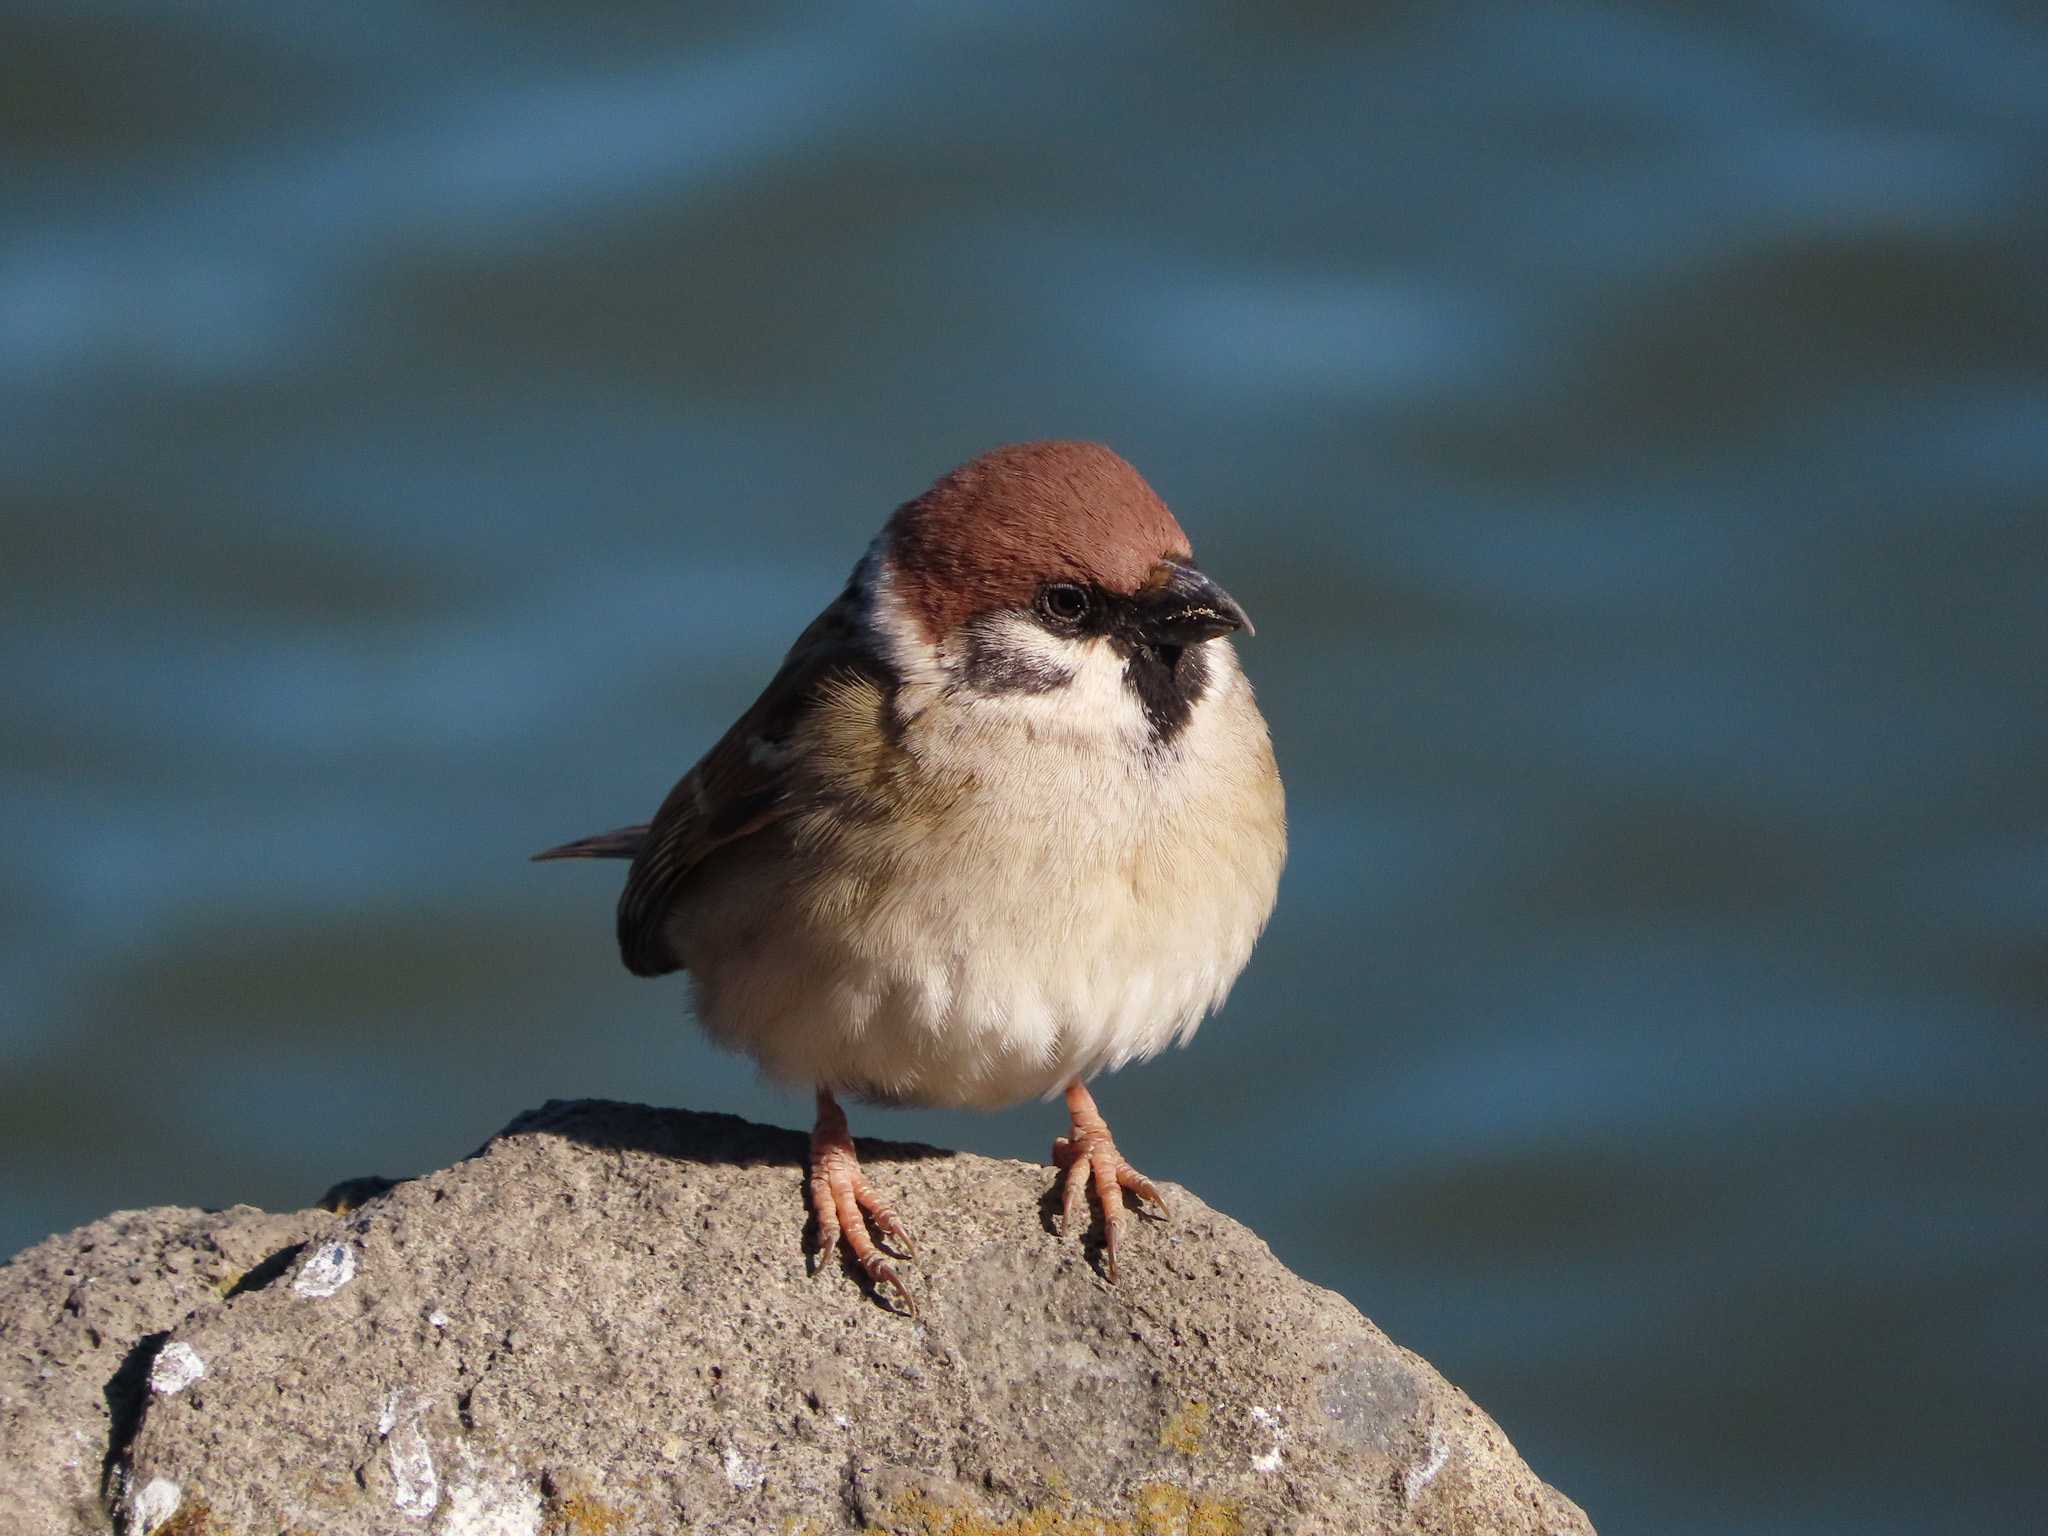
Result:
pixel 1187 608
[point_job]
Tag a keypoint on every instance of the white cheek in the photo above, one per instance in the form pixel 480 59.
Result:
pixel 1099 696
pixel 1094 701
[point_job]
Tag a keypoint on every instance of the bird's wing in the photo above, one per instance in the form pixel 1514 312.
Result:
pixel 740 786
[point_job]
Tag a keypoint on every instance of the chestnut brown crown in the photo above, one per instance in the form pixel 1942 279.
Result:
pixel 989 534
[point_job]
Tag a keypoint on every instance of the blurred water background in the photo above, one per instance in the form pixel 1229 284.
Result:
pixel 421 430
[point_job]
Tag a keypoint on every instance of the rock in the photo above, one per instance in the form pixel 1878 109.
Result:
pixel 83 1323
pixel 602 1325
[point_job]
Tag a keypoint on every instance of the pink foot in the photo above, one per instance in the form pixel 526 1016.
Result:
pixel 843 1202
pixel 1089 1157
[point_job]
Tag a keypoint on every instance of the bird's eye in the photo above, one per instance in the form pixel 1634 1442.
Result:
pixel 1063 603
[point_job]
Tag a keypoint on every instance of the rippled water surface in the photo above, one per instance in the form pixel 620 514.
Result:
pixel 425 429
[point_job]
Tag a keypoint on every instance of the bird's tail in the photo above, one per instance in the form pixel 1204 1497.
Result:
pixel 619 843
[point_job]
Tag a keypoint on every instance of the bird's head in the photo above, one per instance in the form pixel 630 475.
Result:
pixel 1052 569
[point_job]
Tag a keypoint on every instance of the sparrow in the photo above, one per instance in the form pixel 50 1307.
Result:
pixel 1007 818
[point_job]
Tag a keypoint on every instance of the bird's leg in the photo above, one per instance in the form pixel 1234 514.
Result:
pixel 1089 1156
pixel 843 1201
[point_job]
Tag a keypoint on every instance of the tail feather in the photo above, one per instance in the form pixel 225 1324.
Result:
pixel 619 843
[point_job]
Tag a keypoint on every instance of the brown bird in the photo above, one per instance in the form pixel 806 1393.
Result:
pixel 1006 818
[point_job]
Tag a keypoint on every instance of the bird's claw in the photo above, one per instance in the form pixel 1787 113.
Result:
pixel 1089 1159
pixel 887 1285
pixel 892 1228
pixel 844 1204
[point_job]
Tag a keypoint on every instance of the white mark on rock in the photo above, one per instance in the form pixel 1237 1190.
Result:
pixel 740 1472
pixel 1269 1421
pixel 415 1489
pixel 176 1367
pixel 1423 1473
pixel 492 1508
pixel 842 1420
pixel 155 1504
pixel 332 1266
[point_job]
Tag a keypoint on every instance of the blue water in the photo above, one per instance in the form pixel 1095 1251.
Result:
pixel 423 430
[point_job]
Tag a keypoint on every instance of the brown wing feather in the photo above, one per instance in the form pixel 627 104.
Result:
pixel 619 843
pixel 740 786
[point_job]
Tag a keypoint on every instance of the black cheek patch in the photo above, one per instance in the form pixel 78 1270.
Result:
pixel 993 667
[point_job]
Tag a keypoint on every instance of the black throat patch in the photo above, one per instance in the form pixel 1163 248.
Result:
pixel 1167 680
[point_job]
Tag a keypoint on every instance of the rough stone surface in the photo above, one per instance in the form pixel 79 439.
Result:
pixel 82 1321
pixel 602 1325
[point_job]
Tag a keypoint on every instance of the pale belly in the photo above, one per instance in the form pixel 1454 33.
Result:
pixel 1011 964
